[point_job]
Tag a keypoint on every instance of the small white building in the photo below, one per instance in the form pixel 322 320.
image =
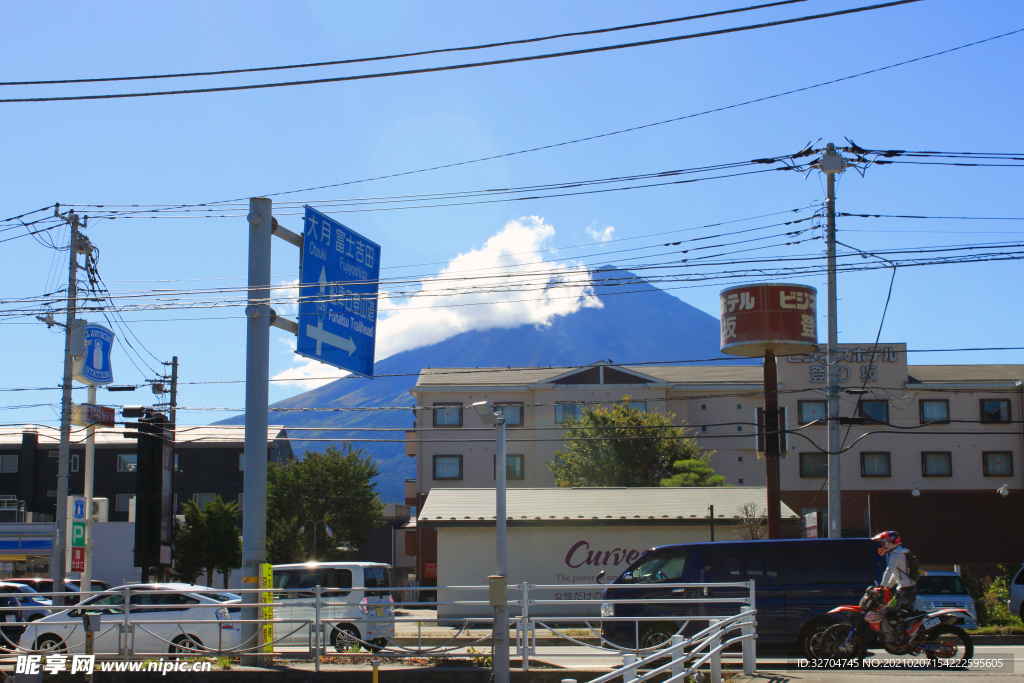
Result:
pixel 566 536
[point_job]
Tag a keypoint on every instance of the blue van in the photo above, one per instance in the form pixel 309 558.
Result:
pixel 796 583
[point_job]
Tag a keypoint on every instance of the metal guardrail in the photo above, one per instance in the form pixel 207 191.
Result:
pixel 324 627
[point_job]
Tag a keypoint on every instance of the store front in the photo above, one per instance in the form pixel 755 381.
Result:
pixel 26 549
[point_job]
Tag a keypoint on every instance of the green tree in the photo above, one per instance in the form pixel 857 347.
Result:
pixel 692 472
pixel 336 487
pixel 224 543
pixel 189 545
pixel 208 541
pixel 602 451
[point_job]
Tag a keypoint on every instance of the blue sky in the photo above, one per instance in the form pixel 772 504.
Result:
pixel 220 146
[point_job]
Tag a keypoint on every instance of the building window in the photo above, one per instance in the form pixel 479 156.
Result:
pixel 934 410
pixel 739 428
pixel 739 406
pixel 9 463
pixel 739 459
pixel 937 464
pixel 809 411
pixel 875 411
pixel 813 465
pixel 513 467
pixel 703 428
pixel 640 406
pixel 998 464
pixel 201 499
pixel 123 501
pixel 703 406
pixel 995 410
pixel 513 413
pixel 568 411
pixel 875 465
pixel 449 415
pixel 447 467
pixel 127 462
pixel 740 482
pixel 74 462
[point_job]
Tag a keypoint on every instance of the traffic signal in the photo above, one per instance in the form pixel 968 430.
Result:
pixel 154 485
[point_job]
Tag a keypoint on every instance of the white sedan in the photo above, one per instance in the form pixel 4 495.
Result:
pixel 159 617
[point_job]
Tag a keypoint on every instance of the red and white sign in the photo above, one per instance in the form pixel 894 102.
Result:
pixel 781 318
pixel 88 414
pixel 430 570
pixel 78 559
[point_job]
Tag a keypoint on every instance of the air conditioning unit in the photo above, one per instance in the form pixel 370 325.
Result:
pixel 100 509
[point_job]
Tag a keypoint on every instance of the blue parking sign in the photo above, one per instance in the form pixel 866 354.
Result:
pixel 338 276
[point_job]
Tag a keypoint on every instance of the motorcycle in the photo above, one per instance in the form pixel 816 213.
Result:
pixel 933 633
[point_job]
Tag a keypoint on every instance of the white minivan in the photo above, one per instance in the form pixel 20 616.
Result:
pixel 355 602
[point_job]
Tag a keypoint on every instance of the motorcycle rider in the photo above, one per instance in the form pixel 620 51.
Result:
pixel 897 575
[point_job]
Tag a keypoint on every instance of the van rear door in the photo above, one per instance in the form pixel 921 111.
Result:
pixel 823 574
pixel 756 561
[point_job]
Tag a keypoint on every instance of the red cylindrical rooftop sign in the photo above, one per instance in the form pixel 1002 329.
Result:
pixel 777 317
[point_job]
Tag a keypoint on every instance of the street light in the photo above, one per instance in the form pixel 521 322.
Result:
pixel 327 529
pixel 498 583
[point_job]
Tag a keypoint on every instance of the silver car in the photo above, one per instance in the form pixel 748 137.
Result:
pixel 1016 601
pixel 936 590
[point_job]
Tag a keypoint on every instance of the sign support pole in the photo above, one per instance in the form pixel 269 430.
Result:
pixel 831 164
pixel 90 460
pixel 500 661
pixel 57 567
pixel 257 378
pixel 771 444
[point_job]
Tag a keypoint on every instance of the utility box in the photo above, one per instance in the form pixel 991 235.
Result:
pixel 497 591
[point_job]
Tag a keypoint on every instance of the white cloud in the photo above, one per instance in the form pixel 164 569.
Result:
pixel 600 235
pixel 444 307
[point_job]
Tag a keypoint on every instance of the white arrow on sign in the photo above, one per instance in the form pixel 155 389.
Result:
pixel 324 337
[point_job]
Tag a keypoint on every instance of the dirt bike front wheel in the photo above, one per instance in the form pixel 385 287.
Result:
pixel 955 646
pixel 837 643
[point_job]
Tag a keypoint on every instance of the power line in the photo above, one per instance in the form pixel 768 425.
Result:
pixel 473 65
pixel 951 218
pixel 359 60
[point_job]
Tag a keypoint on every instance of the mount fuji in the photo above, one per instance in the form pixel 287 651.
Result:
pixel 643 324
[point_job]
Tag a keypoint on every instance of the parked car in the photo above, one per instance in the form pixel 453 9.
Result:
pixel 796 583
pixel 1016 601
pixel 9 635
pixel 937 589
pixel 70 586
pixel 368 615
pixel 34 605
pixel 159 617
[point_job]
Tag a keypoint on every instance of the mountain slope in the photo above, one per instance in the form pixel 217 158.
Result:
pixel 629 328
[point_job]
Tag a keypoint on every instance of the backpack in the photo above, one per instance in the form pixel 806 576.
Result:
pixel 913 567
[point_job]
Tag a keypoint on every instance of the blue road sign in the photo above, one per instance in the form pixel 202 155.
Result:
pixel 338 295
pixel 95 368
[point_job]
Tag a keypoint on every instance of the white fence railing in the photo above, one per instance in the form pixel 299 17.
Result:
pixel 690 625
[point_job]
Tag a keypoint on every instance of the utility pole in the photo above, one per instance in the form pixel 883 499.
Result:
pixel 831 164
pixel 257 383
pixel 57 567
pixel 174 392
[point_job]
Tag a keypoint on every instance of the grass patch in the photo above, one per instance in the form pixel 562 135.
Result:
pixel 998 631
